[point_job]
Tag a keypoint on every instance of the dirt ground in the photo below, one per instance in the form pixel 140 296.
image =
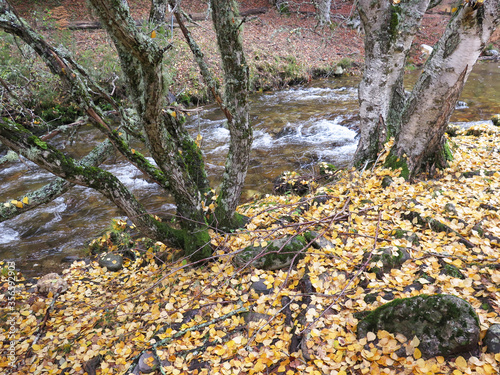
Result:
pixel 281 48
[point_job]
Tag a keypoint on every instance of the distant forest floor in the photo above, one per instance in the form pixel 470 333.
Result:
pixel 281 49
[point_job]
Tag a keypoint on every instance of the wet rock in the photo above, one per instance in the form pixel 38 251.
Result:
pixel 492 339
pixel 277 254
pixel 113 262
pixel 444 324
pixel 51 283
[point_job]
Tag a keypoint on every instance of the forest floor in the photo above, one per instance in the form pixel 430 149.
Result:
pixel 197 320
pixel 217 319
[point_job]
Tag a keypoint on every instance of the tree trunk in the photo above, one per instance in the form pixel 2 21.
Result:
pixel 421 143
pixel 236 77
pixel 323 11
pixel 417 122
pixel 57 187
pixel 389 32
pixel 31 147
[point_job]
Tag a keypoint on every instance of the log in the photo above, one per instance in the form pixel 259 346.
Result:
pixel 94 25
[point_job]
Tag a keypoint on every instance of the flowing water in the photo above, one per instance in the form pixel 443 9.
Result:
pixel 294 129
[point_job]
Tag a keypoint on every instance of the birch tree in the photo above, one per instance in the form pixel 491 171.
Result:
pixel 417 121
pixel 178 162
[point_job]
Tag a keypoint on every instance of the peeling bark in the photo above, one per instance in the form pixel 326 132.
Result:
pixel 417 122
pixel 427 111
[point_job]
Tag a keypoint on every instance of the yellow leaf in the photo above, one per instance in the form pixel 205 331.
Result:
pixel 461 362
pixel 417 353
pixel 17 203
pixel 36 347
pixel 174 114
pixel 26 200
pixel 153 34
pixel 133 151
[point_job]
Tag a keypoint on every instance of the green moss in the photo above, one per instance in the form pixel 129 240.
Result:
pixel 395 162
pixel 447 153
pixel 395 18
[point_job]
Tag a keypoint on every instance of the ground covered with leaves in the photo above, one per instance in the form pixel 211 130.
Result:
pixel 213 319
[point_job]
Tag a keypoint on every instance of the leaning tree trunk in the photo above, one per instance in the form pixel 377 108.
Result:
pixel 172 148
pixel 236 77
pixel 420 144
pixel 389 32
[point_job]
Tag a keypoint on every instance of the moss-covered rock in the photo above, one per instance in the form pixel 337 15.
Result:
pixel 386 258
pixel 444 324
pixel 277 254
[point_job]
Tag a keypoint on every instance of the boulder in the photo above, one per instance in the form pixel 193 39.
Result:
pixel 277 254
pixel 444 324
pixel 51 283
pixel 113 262
pixel 492 339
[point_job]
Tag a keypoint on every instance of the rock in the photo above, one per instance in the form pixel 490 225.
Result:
pixel 256 317
pixel 386 258
pixel 426 50
pixel 450 209
pixel 386 181
pixel 277 254
pixel 492 339
pixel 51 283
pixel 147 363
pixel 338 71
pixel 260 287
pixel 318 242
pixel 496 120
pixel 113 262
pixel 491 52
pixel 444 324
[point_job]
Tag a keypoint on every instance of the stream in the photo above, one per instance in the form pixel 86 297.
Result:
pixel 294 129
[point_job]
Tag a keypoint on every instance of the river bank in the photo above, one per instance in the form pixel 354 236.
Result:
pixel 105 320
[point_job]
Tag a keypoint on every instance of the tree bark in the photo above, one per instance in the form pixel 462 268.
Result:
pixel 32 148
pixel 425 117
pixel 236 77
pixel 57 187
pixel 389 32
pixel 323 11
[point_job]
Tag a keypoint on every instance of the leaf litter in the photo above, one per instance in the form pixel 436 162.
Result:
pixel 209 319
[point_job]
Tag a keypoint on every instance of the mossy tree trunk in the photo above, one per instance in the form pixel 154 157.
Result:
pixel 179 166
pixel 389 32
pixel 236 76
pixel 418 121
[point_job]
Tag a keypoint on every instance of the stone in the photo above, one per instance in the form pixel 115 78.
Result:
pixel 496 120
pixel 444 324
pixel 386 258
pixel 492 339
pixel 260 287
pixel 113 262
pixel 51 283
pixel 318 242
pixel 147 363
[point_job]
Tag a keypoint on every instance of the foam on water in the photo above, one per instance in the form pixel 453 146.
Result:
pixel 8 235
pixel 312 93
